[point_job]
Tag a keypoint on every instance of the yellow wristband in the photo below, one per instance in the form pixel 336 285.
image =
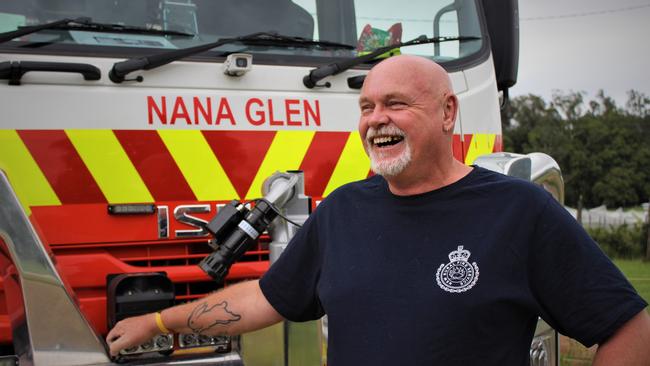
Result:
pixel 160 324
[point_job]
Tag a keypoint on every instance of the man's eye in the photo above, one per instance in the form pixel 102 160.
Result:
pixel 396 104
pixel 366 108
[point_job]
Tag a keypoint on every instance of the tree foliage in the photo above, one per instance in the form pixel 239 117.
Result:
pixel 603 149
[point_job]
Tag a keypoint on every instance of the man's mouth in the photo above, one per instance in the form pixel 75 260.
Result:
pixel 384 141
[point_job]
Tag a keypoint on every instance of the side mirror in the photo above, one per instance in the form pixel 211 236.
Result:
pixel 536 167
pixel 502 18
pixel 514 165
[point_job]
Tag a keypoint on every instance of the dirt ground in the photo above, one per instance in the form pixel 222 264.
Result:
pixel 572 353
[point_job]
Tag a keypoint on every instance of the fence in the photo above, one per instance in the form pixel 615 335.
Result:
pixel 602 217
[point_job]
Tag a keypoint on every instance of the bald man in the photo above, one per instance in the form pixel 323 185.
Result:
pixel 429 262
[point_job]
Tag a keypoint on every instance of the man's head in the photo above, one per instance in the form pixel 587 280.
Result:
pixel 408 111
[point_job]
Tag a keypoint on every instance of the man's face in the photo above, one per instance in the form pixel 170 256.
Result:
pixel 400 121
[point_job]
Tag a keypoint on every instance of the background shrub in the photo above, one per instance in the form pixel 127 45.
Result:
pixel 625 241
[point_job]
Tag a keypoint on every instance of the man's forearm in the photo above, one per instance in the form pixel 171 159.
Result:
pixel 234 310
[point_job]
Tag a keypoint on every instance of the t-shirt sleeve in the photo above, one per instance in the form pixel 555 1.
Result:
pixel 581 293
pixel 290 285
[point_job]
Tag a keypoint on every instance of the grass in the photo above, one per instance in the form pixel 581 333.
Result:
pixel 637 272
pixel 263 346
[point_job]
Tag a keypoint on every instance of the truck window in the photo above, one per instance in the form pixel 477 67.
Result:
pixel 362 24
pixel 416 18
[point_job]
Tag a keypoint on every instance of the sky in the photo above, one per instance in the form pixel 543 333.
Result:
pixel 584 45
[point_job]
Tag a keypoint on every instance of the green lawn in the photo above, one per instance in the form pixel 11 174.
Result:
pixel 638 272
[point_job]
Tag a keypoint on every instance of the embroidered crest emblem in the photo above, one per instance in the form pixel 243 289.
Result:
pixel 458 275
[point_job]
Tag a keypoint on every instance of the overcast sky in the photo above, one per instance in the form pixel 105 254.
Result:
pixel 584 45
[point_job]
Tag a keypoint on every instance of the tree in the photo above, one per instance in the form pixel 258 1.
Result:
pixel 569 104
pixel 602 149
pixel 638 104
pixel 527 112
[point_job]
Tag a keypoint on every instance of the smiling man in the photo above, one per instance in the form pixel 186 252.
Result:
pixel 408 111
pixel 429 262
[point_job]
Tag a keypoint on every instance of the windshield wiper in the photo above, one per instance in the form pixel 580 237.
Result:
pixel 23 31
pixel 275 39
pixel 310 80
pixel 123 68
pixel 86 24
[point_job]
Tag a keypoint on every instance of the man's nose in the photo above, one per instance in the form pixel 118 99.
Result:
pixel 378 117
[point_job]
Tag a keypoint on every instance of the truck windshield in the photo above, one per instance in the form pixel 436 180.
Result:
pixel 362 24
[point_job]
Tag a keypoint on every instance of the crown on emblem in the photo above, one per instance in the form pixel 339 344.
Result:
pixel 460 254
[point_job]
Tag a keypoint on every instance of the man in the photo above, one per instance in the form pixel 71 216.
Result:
pixel 429 262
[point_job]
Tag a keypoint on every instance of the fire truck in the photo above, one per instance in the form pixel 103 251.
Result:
pixel 127 125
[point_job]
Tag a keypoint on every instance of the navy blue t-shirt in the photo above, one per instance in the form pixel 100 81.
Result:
pixel 455 276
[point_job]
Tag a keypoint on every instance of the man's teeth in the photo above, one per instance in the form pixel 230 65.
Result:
pixel 386 139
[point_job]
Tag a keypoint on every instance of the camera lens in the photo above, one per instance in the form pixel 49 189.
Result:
pixel 241 62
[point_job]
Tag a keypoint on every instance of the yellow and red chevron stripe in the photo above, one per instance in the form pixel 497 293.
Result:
pixel 54 167
pixel 26 177
pixel 479 144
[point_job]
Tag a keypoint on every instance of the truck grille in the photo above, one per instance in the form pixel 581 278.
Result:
pixel 179 258
pixel 161 253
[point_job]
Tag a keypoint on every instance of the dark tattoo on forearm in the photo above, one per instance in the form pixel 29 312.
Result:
pixel 212 315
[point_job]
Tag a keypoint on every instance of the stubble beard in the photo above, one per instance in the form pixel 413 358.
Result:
pixel 383 165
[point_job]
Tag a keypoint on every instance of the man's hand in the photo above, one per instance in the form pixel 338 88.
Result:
pixel 131 332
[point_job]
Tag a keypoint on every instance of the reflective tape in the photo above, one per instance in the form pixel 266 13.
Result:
pixel 199 165
pixel 56 167
pixel 286 153
pixel 240 153
pixel 62 166
pixel 353 164
pixel 481 144
pixel 321 159
pixel 110 166
pixel 155 165
pixel 26 178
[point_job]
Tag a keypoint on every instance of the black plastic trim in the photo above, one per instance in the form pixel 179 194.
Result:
pixel 14 70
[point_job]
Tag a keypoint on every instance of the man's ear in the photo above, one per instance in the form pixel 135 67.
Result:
pixel 449 110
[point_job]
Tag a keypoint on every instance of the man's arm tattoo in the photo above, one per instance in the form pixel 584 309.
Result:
pixel 214 315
